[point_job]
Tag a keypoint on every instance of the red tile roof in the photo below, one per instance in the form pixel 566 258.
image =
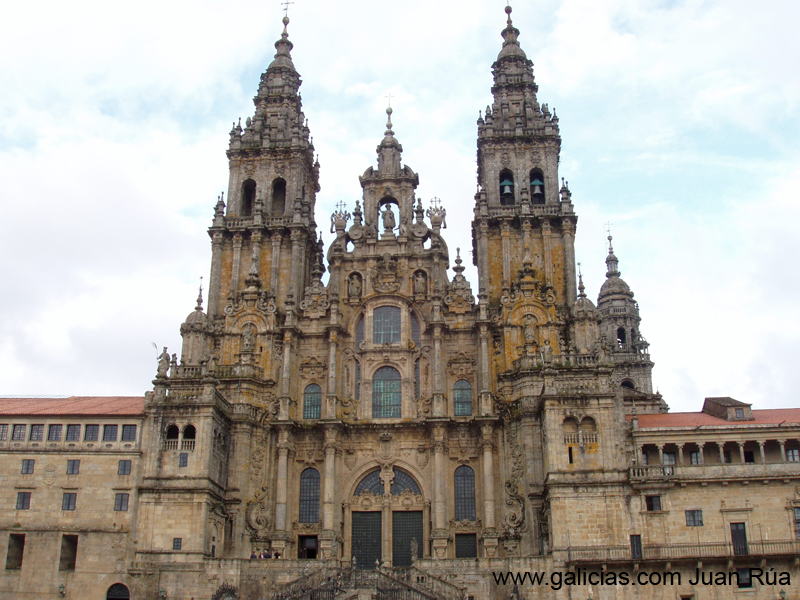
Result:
pixel 118 406
pixel 773 416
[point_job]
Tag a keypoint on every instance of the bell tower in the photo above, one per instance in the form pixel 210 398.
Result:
pixel 522 218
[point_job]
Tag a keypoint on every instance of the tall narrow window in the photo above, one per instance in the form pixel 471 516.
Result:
pixel 312 402
pixel 248 197
pixel 417 382
pixel 27 466
pixel 16 548
pixel 173 433
pixel 537 187
pixel 621 338
pixel 189 435
pixel 23 500
pixel 69 553
pixel 636 546
pixel 464 491
pixel 3 432
pixel 309 496
pixel 506 187
pixel 73 467
pixel 414 329
pixel 386 394
pixel 68 500
pixel 357 390
pixel 462 398
pixel 278 198
pixel 359 333
pixel 386 325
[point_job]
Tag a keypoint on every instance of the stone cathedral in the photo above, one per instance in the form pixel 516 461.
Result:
pixel 394 433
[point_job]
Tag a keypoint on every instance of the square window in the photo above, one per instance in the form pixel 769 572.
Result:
pixel 54 433
pixel 73 433
pixel 749 456
pixel 23 500
pixel 743 578
pixel 92 433
pixel 124 467
pixel 18 434
pixel 466 545
pixel 110 433
pixel 793 455
pixel 177 543
pixel 653 503
pixel 121 502
pixel 694 518
pixel 183 459
pixel 129 433
pixel 37 433
pixel 669 458
pixel 27 466
pixel 694 457
pixel 740 413
pixel 68 501
pixel 73 467
pixel 3 432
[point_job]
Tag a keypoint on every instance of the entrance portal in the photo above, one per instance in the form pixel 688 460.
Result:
pixel 406 530
pixel 366 539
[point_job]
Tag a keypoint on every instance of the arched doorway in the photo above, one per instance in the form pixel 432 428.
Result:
pixel 118 592
pixel 387 529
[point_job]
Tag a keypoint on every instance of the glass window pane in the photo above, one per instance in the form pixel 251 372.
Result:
pixel 73 433
pixel 309 496
pixel 386 394
pixel 312 402
pixel 54 433
pixel 386 325
pixel 464 491
pixel 92 433
pixel 129 433
pixel 37 433
pixel 110 433
pixel 462 398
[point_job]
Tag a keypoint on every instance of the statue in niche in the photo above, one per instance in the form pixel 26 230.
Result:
pixel 414 550
pixel 248 338
pixel 530 329
pixel 163 363
pixel 420 283
pixel 354 286
pixel 388 219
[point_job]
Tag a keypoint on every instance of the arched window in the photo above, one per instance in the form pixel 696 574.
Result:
pixel 537 186
pixel 173 432
pixel 386 325
pixel 359 332
pixel 506 187
pixel 386 394
pixel 189 432
pixel 248 197
pixel 278 197
pixel 118 592
pixel 588 425
pixel 621 335
pixel 312 402
pixel 309 496
pixel 373 484
pixel 464 491
pixel 462 398
pixel 628 384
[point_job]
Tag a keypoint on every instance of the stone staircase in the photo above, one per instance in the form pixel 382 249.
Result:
pixel 348 583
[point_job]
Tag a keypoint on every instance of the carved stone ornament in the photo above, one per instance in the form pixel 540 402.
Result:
pixel 459 298
pixel 306 528
pixel 461 365
pixel 421 457
pixel 315 302
pixel 312 368
pixel 465 526
pixel 386 278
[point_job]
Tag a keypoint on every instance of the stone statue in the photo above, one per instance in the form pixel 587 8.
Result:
pixel 414 550
pixel 530 329
pixel 354 286
pixel 420 285
pixel 248 338
pixel 173 366
pixel 388 219
pixel 163 363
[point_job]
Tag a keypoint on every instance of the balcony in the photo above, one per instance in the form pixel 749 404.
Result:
pixel 669 552
pixel 712 472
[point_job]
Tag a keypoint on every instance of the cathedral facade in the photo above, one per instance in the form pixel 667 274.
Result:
pixel 395 433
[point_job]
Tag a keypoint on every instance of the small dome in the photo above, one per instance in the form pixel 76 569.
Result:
pixel 583 308
pixel 196 321
pixel 613 286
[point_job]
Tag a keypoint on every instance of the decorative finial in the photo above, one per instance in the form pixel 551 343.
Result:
pixel 389 131
pixel 200 297
pixel 508 12
pixel 581 287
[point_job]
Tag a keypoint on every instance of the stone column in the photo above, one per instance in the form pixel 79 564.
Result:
pixel 661 454
pixel 741 451
pixel 505 236
pixel 761 452
pixel 721 453
pixel 483 256
pixel 783 449
pixel 276 263
pixel 297 265
pixel 216 273
pixel 680 454
pixel 439 408
pixel 701 447
pixel 237 256
pixel 281 486
pixel 548 262
pixel 330 398
pixel 568 232
pixel 286 375
pixel 440 535
pixel 328 535
pixel 490 537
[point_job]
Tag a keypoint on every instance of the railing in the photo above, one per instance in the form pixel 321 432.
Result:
pixel 170 444
pixel 604 554
pixel 187 445
pixel 644 473
pixel 443 589
pixel 580 438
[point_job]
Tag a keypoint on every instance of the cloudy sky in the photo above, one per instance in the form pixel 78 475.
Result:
pixel 679 119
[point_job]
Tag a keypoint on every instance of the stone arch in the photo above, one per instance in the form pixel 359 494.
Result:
pixel 118 591
pixel 372 465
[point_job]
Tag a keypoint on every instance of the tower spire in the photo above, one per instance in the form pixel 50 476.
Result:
pixel 612 263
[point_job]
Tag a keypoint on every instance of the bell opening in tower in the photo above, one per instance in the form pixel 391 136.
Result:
pixel 537 187
pixel 248 197
pixel 278 197
pixel 506 188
